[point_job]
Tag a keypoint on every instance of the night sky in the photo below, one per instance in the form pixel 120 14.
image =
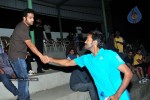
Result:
pixel 131 32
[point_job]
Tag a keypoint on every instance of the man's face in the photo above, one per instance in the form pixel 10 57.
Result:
pixel 130 54
pixel 39 21
pixel 89 42
pixel 139 52
pixel 72 52
pixel 117 34
pixel 29 19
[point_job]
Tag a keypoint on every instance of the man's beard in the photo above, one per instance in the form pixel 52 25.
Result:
pixel 29 24
pixel 88 47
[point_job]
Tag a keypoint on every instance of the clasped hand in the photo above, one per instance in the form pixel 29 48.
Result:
pixel 45 59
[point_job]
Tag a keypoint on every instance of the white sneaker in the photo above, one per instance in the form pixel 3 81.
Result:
pixel 142 81
pixel 31 72
pixel 145 79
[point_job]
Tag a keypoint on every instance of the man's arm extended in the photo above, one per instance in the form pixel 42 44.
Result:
pixel 62 62
pixel 33 48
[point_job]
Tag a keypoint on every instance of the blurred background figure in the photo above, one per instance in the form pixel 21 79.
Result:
pixel 47 29
pixel 38 32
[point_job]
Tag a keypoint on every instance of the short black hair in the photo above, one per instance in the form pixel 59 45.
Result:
pixel 26 11
pixel 75 51
pixel 96 35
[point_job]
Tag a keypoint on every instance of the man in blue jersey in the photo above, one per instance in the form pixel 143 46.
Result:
pixel 104 66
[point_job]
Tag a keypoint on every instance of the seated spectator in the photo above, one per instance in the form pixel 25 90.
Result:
pixel 80 79
pixel 47 29
pixel 138 61
pixel 129 59
pixel 6 72
pixel 137 70
pixel 72 54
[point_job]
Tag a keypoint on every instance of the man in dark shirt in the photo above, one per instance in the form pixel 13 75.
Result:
pixel 17 52
pixel 81 81
pixel 38 31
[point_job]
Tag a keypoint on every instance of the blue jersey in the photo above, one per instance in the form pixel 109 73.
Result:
pixel 104 69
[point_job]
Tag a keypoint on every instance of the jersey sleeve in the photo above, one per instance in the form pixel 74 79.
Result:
pixel 80 61
pixel 116 60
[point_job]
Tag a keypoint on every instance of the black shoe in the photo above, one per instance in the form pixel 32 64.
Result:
pixel 41 71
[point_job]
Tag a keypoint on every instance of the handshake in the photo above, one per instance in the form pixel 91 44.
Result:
pixel 45 59
pixel 58 62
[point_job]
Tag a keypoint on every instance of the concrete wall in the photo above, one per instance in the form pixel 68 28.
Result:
pixel 55 35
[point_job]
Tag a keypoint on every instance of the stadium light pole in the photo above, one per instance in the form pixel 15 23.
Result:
pixel 104 19
pixel 31 32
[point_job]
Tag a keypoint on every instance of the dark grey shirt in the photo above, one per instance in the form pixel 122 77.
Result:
pixel 18 48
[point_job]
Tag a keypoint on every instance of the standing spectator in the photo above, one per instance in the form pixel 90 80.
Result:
pixel 80 41
pixel 119 43
pixel 104 66
pixel 38 31
pixel 17 52
pixel 79 29
pixel 79 38
pixel 70 37
pixel 47 29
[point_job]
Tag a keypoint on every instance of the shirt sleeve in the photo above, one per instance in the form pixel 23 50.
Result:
pixel 116 60
pixel 80 61
pixel 24 34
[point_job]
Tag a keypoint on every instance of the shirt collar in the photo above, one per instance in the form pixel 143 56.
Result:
pixel 100 52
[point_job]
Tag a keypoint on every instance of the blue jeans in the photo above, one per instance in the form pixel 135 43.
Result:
pixel 86 87
pixel 8 84
pixel 20 67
